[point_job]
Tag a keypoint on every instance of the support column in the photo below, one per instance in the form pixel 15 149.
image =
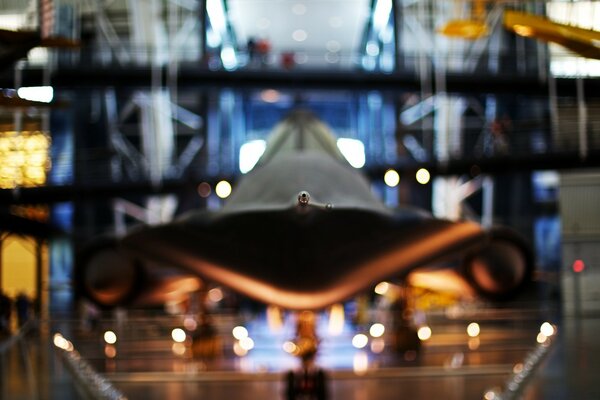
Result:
pixel 487 213
pixel 582 120
pixel 1 257
pixel 148 32
pixel 39 270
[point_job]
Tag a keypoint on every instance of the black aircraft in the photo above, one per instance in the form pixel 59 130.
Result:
pixel 301 231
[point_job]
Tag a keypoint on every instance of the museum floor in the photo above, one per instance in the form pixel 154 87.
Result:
pixel 505 358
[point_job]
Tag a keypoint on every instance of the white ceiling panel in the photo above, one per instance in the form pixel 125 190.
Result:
pixel 311 26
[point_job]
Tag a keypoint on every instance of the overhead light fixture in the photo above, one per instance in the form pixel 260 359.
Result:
pixel 250 153
pixel 216 14
pixel 473 329
pixel 336 21
pixel 424 333
pixel 360 340
pixel 299 9
pixel 372 48
pixel 223 189
pixel 24 158
pixel 377 330
pixel 110 337
pixel 213 39
pixel 423 176
pixel 229 58
pixel 381 14
pixel 353 150
pixel 391 178
pixel 239 332
pixel 299 35
pixel 270 96
pixel 43 94
pixel 333 46
pixel 178 335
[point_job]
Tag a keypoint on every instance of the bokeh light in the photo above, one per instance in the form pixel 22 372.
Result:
pixel 473 329
pixel 360 340
pixel 391 178
pixel 247 343
pixel 178 335
pixel 215 295
pixel 223 189
pixel 382 288
pixel 423 176
pixel 239 332
pixel 547 329
pixel 110 337
pixel 377 330
pixel 424 333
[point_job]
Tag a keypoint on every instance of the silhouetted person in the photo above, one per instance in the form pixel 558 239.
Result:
pixel 23 306
pixel 288 60
pixel 251 49
pixel 263 48
pixel 5 311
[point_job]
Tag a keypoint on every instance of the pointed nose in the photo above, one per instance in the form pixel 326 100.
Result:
pixel 303 198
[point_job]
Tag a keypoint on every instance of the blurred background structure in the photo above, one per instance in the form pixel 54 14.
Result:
pixel 120 112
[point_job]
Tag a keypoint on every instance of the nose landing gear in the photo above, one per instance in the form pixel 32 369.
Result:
pixel 310 382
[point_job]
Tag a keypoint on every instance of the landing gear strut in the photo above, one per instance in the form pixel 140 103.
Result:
pixel 310 382
pixel 206 343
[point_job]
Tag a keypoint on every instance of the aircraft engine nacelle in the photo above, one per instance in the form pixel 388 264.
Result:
pixel 500 268
pixel 109 277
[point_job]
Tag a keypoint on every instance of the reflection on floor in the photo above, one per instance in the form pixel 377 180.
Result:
pixel 466 354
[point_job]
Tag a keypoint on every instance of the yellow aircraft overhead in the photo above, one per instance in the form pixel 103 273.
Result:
pixel 585 42
pixel 464 28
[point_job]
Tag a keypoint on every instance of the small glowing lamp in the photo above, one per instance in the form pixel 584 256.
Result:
pixel 423 176
pixel 223 189
pixel 578 266
pixel 473 329
pixel 547 329
pixel 215 295
pixel 239 350
pixel 382 288
pixel 110 337
pixel 239 332
pixel 204 189
pixel 377 330
pixel 391 178
pixel 178 335
pixel 353 150
pixel 424 333
pixel 541 338
pixel 290 347
pixel 247 343
pixel 360 340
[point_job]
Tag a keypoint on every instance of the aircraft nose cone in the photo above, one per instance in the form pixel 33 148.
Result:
pixel 303 198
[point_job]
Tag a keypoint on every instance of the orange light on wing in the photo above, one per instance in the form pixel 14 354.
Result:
pixel 523 30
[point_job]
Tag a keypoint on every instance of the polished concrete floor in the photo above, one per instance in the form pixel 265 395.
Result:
pixel 145 363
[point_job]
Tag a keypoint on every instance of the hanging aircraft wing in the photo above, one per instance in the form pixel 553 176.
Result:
pixel 584 42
